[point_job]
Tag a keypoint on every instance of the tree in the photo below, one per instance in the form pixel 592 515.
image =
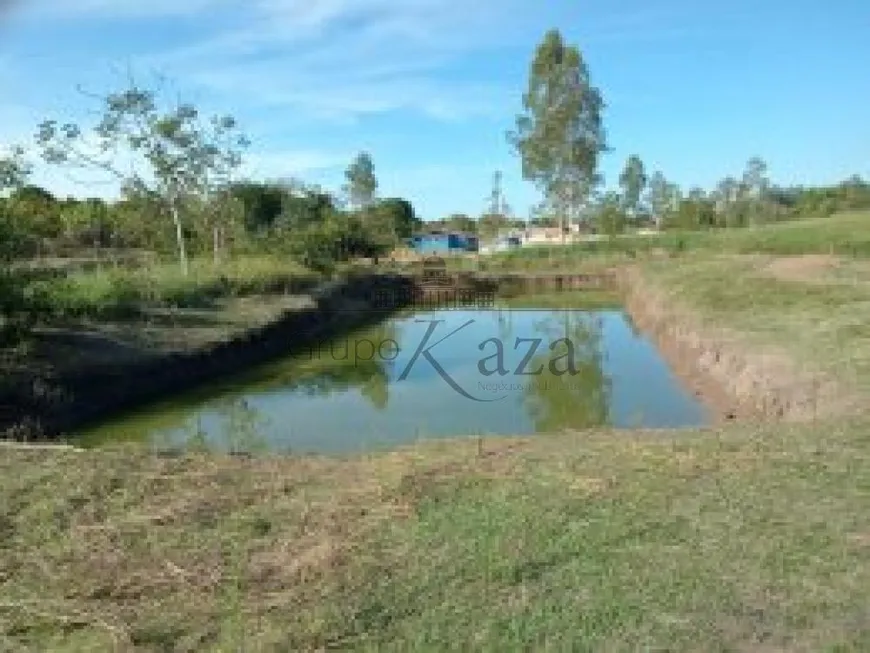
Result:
pixel 378 231
pixel 755 185
pixel 401 215
pixel 490 224
pixel 304 205
pixel 581 398
pixel 36 210
pixel 178 156
pixel 632 181
pixel 262 204
pixel 727 194
pixel 361 181
pixel 318 246
pixel 17 314
pixel 559 136
pixel 13 175
pixel 610 216
pixel 461 222
pixel 659 197
pixel 14 170
pixel 89 217
pixel 695 211
pixel 755 177
pixel 140 221
pixel 854 193
pixel 31 193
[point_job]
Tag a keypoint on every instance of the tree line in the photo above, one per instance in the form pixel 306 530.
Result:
pixel 559 137
pixel 652 201
pixel 747 200
pixel 181 193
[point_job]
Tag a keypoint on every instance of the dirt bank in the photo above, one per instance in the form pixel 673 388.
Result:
pixel 68 400
pixel 735 380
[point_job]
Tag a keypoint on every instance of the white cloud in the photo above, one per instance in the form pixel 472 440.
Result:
pixel 338 59
pixel 75 183
pixel 341 59
pixel 90 181
pixel 345 96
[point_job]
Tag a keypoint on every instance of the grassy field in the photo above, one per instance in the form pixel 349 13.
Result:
pixel 735 540
pixel 814 309
pixel 845 234
pixel 739 538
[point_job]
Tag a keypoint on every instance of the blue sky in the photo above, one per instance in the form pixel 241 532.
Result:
pixel 430 87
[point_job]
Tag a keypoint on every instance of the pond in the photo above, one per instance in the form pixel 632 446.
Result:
pixel 506 371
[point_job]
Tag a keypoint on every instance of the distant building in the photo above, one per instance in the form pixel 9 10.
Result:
pixel 444 243
pixel 542 235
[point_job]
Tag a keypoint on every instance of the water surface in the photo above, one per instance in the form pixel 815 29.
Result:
pixel 429 375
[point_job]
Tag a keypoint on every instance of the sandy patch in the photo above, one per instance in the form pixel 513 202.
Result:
pixel 807 268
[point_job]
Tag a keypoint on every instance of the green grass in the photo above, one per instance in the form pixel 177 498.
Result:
pixel 730 541
pixel 822 326
pixel 555 259
pixel 118 292
pixel 845 234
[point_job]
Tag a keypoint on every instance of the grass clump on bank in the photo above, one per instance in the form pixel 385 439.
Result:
pixel 122 292
pixel 116 314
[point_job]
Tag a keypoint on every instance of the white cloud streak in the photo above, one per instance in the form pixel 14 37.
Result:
pixel 338 60
pixel 341 59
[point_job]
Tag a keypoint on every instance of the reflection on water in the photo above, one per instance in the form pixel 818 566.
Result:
pixel 435 374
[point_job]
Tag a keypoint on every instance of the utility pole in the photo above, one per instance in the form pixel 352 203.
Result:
pixel 498 206
pixel 496 197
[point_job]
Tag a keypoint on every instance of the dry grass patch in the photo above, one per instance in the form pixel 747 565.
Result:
pixel 809 268
pixel 598 540
pixel 128 538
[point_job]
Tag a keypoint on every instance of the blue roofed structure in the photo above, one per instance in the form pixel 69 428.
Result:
pixel 444 243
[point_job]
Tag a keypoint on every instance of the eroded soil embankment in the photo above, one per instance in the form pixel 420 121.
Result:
pixel 48 407
pixel 734 379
